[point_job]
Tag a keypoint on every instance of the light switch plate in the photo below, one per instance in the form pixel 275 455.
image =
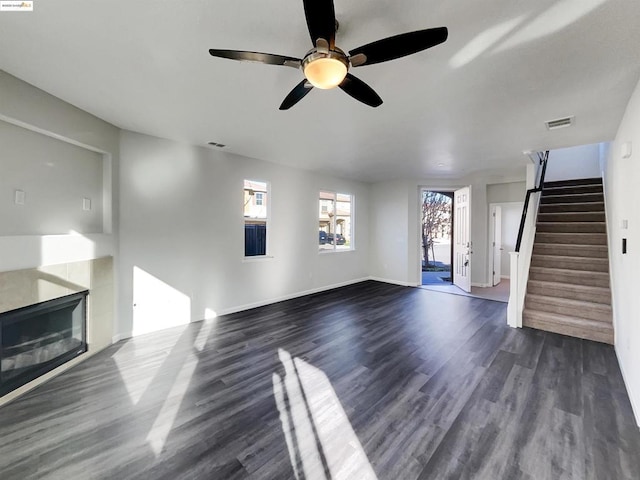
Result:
pixel 625 224
pixel 19 197
pixel 626 149
pixel 86 204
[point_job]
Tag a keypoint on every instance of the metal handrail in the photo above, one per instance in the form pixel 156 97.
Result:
pixel 543 158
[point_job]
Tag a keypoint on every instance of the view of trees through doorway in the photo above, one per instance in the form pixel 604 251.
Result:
pixel 437 215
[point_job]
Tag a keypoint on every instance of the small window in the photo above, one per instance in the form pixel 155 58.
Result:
pixel 256 218
pixel 335 221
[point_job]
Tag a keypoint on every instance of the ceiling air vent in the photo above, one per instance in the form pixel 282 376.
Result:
pixel 559 123
pixel 214 144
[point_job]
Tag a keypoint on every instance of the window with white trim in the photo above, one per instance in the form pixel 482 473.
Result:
pixel 256 218
pixel 335 220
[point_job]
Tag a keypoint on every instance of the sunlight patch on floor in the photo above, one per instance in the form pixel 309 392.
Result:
pixel 321 441
pixel 163 423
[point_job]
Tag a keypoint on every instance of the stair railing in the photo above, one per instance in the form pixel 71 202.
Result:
pixel 520 262
pixel 542 169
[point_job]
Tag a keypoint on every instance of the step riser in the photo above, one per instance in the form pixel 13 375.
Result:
pixel 571 217
pixel 595 297
pixel 574 278
pixel 575 190
pixel 582 239
pixel 593 265
pixel 590 251
pixel 594 312
pixel 572 207
pixel 589 197
pixel 587 334
pixel 571 227
pixel 574 182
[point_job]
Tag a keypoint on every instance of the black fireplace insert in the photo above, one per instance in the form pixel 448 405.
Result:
pixel 41 337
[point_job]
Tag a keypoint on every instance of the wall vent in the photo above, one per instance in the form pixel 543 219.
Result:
pixel 215 144
pixel 560 123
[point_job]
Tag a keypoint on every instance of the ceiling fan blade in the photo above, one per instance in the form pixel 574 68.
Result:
pixel 297 94
pixel 268 58
pixel 399 46
pixel 321 20
pixel 360 91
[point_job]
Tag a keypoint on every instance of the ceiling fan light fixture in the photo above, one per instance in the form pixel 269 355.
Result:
pixel 325 71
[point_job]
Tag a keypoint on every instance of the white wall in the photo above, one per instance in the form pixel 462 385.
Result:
pixel 55 177
pixel 182 234
pixel 506 192
pixel 622 190
pixel 575 162
pixel 25 106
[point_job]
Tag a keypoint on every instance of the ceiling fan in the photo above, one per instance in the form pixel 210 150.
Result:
pixel 326 66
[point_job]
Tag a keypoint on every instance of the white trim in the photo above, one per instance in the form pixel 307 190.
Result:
pixel 249 306
pixel 505 276
pixel 116 338
pixel 395 282
pixel 257 258
pixel 481 285
pixel 632 398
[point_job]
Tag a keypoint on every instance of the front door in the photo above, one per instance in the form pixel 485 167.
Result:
pixel 461 239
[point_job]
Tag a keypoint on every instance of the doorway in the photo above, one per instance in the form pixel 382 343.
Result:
pixel 437 232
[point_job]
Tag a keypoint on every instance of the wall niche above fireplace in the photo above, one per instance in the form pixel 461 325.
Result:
pixel 41 337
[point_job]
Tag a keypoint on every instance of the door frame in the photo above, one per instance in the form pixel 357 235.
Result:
pixel 432 188
pixel 490 245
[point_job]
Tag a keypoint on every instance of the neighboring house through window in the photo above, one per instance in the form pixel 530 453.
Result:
pixel 256 217
pixel 335 221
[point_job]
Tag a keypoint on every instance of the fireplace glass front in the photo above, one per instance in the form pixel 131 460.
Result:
pixel 39 338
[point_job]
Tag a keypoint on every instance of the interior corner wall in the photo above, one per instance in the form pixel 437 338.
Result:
pixel 182 234
pixel 26 106
pixel 582 161
pixel 622 200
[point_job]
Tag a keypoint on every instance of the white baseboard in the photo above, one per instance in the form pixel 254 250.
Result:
pixel 117 337
pixel 635 400
pixel 481 285
pixel 394 282
pixel 506 277
pixel 249 306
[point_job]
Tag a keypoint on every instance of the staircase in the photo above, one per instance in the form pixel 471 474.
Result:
pixel 568 289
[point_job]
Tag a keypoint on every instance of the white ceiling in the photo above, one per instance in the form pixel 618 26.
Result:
pixel 473 103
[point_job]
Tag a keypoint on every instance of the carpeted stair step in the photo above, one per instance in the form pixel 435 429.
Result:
pixel 564 306
pixel 573 292
pixel 588 264
pixel 572 207
pixel 574 182
pixel 568 250
pixel 572 227
pixel 570 238
pixel 571 217
pixel 572 189
pixel 575 277
pixel 568 325
pixel 576 198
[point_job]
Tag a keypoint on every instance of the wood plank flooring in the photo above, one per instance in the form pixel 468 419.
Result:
pixel 368 381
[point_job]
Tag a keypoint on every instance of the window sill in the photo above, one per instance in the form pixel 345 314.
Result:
pixel 325 252
pixel 257 258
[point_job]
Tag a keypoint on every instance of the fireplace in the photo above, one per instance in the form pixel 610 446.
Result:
pixel 39 338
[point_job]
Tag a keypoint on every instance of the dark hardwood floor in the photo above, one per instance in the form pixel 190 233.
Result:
pixel 368 381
